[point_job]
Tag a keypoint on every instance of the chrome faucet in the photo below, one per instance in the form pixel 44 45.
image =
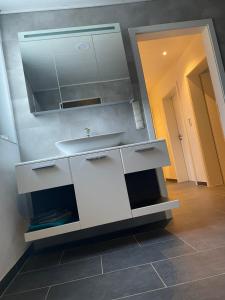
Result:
pixel 87 131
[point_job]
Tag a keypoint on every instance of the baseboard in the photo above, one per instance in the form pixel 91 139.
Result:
pixel 12 273
pixel 201 183
pixel 171 180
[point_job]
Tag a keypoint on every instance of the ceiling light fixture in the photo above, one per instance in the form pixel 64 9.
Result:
pixel 164 53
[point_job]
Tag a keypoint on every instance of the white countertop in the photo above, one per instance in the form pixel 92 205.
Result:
pixel 88 152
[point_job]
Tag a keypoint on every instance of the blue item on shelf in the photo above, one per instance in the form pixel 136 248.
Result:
pixel 51 219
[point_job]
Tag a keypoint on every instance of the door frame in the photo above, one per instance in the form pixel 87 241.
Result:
pixel 213 54
pixel 195 73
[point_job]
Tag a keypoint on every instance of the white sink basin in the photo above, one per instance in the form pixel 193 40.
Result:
pixel 70 147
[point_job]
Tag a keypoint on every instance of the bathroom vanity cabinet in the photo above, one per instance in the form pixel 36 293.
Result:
pixel 100 187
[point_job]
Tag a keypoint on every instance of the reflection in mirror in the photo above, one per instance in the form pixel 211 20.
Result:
pixel 40 75
pixel 68 68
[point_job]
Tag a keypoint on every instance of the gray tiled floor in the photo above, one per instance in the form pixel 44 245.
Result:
pixel 192 267
pixel 207 289
pixel 42 260
pixel 109 286
pixel 34 295
pixel 154 236
pixel 55 275
pixel 98 249
pixel 143 255
pixel 184 261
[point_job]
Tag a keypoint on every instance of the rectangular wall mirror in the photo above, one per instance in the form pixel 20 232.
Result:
pixel 73 67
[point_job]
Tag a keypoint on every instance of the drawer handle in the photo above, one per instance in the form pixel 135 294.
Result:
pixel 145 149
pixel 96 157
pixel 43 167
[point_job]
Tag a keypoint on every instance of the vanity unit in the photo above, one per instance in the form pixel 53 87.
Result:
pixel 100 186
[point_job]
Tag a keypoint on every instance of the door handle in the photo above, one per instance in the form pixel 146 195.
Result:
pixel 180 137
pixel 145 149
pixel 96 157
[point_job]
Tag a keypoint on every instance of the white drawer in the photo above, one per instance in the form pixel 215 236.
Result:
pixel 144 157
pixel 43 175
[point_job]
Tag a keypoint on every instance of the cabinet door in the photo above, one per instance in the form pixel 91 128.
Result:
pixel 100 188
pixel 110 55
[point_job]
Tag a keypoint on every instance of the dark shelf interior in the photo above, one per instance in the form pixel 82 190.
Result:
pixel 143 188
pixel 55 199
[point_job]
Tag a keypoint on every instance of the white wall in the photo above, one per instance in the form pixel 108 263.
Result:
pixel 7 128
pixel 12 225
pixel 12 245
pixel 175 77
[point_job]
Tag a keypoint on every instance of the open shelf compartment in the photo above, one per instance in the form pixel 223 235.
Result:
pixel 144 194
pixel 61 199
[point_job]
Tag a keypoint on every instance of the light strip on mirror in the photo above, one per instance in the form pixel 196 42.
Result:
pixel 44 34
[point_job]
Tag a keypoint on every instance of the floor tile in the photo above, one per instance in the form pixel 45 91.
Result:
pixel 34 295
pixel 142 255
pixel 200 220
pixel 208 237
pixel 42 260
pixel 108 286
pixel 192 267
pixel 207 289
pixel 98 248
pixel 154 236
pixel 55 275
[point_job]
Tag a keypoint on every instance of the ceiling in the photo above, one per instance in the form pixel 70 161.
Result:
pixel 151 51
pixel 13 6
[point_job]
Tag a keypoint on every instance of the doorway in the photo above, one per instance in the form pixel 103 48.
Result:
pixel 179 172
pixel 177 112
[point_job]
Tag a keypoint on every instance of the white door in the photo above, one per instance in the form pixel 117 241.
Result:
pixel 100 188
pixel 176 137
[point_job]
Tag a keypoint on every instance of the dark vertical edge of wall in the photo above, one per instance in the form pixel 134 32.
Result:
pixel 4 283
